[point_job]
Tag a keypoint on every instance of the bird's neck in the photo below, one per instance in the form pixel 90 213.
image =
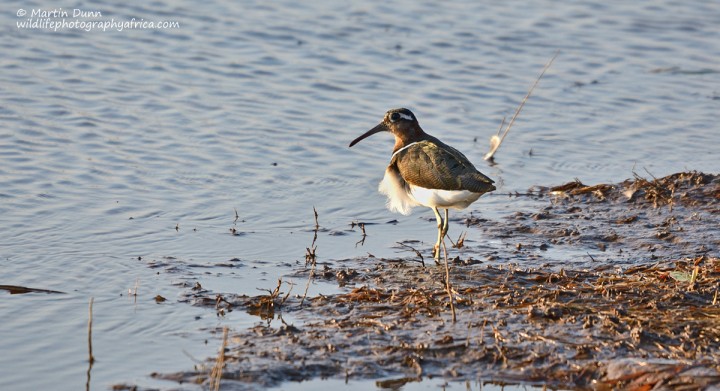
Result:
pixel 412 136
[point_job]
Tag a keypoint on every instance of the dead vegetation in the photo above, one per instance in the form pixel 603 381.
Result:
pixel 689 188
pixel 497 139
pixel 15 290
pixel 644 315
pixel 216 372
pixel 264 306
pixel 640 220
pixel 562 329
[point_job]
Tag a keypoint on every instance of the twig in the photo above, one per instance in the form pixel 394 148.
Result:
pixel 649 173
pixel 364 235
pixel 481 340
pixel 416 252
pixel 657 185
pixel 310 277
pixel 496 140
pixel 460 241
pixel 447 282
pixel 494 147
pixel 288 293
pixel 133 292
pixel 317 226
pixel 91 358
pixel 467 340
pixel 190 356
pixel 216 373
pixel 274 293
pixel 515 194
pixel 693 277
pixel 310 257
pixel 654 191
pixel 310 253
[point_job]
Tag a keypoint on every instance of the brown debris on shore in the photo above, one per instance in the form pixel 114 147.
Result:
pixel 689 188
pixel 645 326
pixel 633 221
pixel 647 317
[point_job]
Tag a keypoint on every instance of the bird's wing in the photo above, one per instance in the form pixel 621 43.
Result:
pixel 434 165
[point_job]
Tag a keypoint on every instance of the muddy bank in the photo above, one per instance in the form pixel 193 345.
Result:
pixel 643 314
pixel 638 220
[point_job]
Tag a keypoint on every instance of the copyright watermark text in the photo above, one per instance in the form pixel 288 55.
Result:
pixel 79 19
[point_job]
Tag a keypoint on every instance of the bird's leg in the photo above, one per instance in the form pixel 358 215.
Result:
pixel 436 249
pixel 445 224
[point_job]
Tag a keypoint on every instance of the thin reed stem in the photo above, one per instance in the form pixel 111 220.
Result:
pixel 448 287
pixel 496 143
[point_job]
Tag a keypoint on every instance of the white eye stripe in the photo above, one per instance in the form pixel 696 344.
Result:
pixel 398 114
pixel 405 116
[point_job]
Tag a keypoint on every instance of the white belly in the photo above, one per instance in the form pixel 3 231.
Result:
pixel 433 198
pixel 402 197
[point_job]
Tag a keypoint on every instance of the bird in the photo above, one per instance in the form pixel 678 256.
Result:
pixel 424 171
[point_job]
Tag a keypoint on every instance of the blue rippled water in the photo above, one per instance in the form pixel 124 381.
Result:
pixel 116 145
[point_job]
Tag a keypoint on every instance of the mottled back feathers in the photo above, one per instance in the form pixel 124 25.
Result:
pixel 434 165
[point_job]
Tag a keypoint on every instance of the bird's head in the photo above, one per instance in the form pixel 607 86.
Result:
pixel 401 123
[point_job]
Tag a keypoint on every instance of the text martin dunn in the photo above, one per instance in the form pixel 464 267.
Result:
pixel 61 13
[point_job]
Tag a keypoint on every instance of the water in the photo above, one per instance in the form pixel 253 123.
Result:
pixel 116 145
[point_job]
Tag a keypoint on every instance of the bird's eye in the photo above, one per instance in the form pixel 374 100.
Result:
pixel 394 117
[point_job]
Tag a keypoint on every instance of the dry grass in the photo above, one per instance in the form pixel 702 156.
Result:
pixel 653 324
pixel 91 358
pixel 569 329
pixel 448 285
pixel 496 140
pixel 217 370
pixel 311 257
pixel 265 306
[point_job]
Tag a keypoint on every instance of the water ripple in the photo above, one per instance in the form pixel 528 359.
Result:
pixel 110 140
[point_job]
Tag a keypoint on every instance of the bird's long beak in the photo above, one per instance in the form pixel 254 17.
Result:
pixel 380 128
